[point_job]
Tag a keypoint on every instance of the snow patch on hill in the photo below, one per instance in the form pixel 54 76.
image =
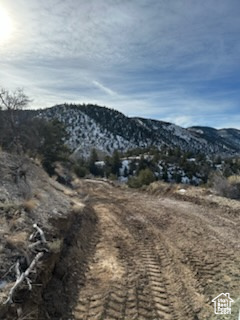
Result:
pixel 91 126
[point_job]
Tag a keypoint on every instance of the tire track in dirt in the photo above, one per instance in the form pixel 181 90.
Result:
pixel 134 290
pixel 165 283
pixel 156 261
pixel 211 260
pixel 206 251
pixel 105 281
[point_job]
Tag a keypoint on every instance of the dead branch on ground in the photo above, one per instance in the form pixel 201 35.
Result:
pixel 24 276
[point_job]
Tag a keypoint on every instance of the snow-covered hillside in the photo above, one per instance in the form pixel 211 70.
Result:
pixel 91 126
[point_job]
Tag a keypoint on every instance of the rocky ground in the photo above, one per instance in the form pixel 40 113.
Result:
pixel 157 254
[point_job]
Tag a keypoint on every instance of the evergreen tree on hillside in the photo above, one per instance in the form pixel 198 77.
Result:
pixel 116 163
pixel 92 162
pixel 108 166
pixel 80 168
pixel 142 164
pixel 52 149
pixel 125 172
pixel 156 156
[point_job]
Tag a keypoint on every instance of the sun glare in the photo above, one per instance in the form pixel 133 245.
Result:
pixel 5 25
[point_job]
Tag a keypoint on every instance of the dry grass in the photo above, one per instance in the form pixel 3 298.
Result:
pixel 18 239
pixel 163 188
pixel 29 205
pixel 38 195
pixel 70 193
pixel 77 207
pixel 76 183
pixel 55 246
pixel 8 206
pixel 235 179
pixel 38 161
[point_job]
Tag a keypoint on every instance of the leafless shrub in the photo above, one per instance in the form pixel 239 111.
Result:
pixel 226 187
pixel 10 104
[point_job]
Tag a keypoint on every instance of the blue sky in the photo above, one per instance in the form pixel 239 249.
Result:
pixel 172 60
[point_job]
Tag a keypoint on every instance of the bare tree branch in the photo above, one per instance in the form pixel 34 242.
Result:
pixel 20 277
pixel 24 276
pixel 17 269
pixel 9 270
pixel 29 283
pixel 11 102
pixel 41 233
pixel 15 100
pixel 35 244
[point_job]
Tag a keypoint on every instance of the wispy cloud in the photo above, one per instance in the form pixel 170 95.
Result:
pixel 175 60
pixel 104 88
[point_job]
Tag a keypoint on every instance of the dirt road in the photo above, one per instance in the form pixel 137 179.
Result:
pixel 157 258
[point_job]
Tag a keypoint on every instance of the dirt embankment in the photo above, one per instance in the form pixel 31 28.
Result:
pixel 28 196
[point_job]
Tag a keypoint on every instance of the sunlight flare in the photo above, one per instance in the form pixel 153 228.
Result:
pixel 5 25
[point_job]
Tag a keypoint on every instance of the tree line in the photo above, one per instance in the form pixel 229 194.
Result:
pixel 25 133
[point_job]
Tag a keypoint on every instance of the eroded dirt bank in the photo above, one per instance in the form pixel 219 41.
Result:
pixel 28 198
pixel 69 273
pixel 154 257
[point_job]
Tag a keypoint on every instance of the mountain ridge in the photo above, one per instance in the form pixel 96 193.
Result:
pixel 92 126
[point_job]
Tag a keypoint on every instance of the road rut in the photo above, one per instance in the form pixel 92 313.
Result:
pixel 158 258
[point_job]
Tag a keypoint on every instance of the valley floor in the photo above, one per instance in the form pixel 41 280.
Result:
pixel 155 257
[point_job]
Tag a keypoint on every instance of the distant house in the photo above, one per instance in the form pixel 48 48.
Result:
pixel 222 303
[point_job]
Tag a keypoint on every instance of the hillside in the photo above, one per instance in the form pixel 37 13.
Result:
pixel 107 129
pixel 29 200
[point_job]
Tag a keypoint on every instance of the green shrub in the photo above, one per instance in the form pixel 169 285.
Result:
pixel 134 182
pixel 80 171
pixel 112 177
pixel 145 177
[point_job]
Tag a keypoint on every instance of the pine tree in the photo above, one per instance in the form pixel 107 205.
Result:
pixel 125 172
pixel 116 163
pixel 92 162
pixel 52 148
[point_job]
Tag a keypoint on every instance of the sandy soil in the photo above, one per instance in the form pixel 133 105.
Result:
pixel 156 257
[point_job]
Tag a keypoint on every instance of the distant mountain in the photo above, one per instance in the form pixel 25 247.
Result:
pixel 223 140
pixel 91 126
